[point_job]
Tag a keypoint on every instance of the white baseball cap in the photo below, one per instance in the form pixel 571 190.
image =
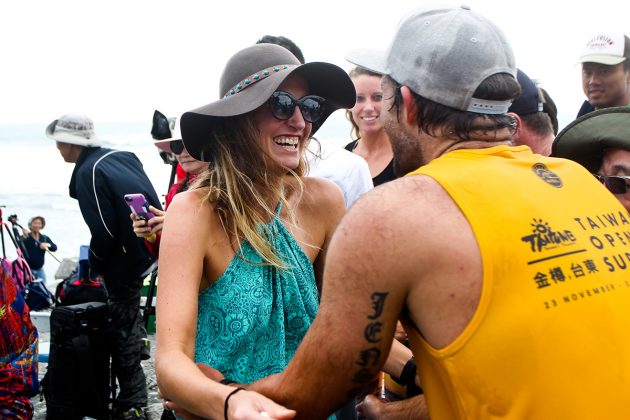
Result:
pixel 604 49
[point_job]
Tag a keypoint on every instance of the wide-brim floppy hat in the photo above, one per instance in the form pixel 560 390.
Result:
pixel 164 130
pixel 73 129
pixel 585 139
pixel 249 79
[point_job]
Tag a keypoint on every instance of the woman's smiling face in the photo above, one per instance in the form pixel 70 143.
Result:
pixel 283 141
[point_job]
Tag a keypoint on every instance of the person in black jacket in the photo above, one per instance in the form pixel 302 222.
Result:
pixel 37 244
pixel 100 180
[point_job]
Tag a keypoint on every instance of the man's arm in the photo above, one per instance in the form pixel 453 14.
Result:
pixel 367 275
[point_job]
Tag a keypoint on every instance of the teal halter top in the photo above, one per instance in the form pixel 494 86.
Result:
pixel 252 319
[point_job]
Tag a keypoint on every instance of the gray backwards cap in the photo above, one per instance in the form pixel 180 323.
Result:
pixel 444 55
pixel 585 139
pixel 249 79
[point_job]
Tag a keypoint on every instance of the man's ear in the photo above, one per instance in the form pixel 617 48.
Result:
pixel 519 123
pixel 409 105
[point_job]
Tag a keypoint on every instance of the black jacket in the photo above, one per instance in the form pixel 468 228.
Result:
pixel 100 179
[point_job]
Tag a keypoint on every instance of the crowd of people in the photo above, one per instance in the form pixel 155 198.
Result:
pixel 476 274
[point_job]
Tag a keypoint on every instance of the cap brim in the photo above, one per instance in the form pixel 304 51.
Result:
pixel 585 139
pixel 324 79
pixel 371 59
pixel 609 60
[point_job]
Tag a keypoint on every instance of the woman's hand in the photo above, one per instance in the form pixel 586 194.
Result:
pixel 44 246
pixel 243 405
pixel 148 229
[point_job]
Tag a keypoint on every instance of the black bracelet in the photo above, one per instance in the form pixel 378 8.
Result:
pixel 227 399
pixel 408 379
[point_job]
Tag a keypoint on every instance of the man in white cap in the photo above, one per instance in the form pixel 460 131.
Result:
pixel 606 72
pixel 100 180
pixel 490 254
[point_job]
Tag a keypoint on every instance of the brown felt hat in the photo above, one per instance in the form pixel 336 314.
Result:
pixel 249 79
pixel 585 139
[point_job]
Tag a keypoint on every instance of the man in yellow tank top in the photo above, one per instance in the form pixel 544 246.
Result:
pixel 510 269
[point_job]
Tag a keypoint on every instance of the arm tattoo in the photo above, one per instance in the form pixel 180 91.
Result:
pixel 378 301
pixel 369 358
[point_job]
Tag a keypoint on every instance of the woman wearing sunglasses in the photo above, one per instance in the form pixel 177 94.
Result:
pixel 254 229
pixel 151 230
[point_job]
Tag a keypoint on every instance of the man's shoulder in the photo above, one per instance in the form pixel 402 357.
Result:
pixel 394 202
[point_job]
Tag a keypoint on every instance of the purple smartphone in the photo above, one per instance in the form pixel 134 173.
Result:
pixel 139 206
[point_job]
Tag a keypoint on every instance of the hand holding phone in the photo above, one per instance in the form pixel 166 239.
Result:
pixel 139 206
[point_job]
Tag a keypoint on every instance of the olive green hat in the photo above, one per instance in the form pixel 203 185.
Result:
pixel 585 139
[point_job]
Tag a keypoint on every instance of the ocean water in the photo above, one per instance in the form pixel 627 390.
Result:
pixel 34 178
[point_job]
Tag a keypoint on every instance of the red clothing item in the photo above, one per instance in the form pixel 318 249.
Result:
pixel 183 185
pixel 181 173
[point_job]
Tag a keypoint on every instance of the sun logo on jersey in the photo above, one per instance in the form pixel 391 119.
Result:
pixel 543 237
pixel 547 175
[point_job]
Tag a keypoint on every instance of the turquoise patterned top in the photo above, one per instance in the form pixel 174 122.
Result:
pixel 252 319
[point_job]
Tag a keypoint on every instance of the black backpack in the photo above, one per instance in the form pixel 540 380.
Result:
pixel 76 383
pixel 74 289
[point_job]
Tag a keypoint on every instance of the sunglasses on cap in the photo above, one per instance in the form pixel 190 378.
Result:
pixel 283 105
pixel 177 146
pixel 615 184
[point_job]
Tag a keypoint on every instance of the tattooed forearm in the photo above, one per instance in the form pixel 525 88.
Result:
pixel 369 358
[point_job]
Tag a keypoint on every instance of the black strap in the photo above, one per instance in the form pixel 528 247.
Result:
pixel 408 378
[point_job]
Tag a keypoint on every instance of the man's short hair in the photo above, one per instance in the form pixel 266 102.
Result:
pixel 433 116
pixel 539 123
pixel 549 108
pixel 283 42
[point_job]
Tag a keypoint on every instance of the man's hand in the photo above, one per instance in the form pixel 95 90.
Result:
pixel 373 408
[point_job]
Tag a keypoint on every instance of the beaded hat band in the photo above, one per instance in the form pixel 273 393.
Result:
pixel 256 77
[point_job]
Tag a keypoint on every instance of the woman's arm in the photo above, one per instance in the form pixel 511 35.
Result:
pixel 182 254
pixel 53 246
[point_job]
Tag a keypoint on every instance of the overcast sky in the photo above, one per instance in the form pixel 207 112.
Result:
pixel 117 60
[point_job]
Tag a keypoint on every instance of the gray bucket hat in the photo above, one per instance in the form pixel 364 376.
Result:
pixel 73 129
pixel 585 139
pixel 249 79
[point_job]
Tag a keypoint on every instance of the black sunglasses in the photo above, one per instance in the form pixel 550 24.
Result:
pixel 283 105
pixel 615 184
pixel 177 146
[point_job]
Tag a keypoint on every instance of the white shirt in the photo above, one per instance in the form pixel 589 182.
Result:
pixel 346 169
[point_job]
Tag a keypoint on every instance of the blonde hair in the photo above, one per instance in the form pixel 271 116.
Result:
pixel 238 185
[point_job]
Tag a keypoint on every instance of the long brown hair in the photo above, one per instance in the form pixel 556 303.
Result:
pixel 239 185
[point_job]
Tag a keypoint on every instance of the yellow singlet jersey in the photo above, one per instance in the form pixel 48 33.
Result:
pixel 550 338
